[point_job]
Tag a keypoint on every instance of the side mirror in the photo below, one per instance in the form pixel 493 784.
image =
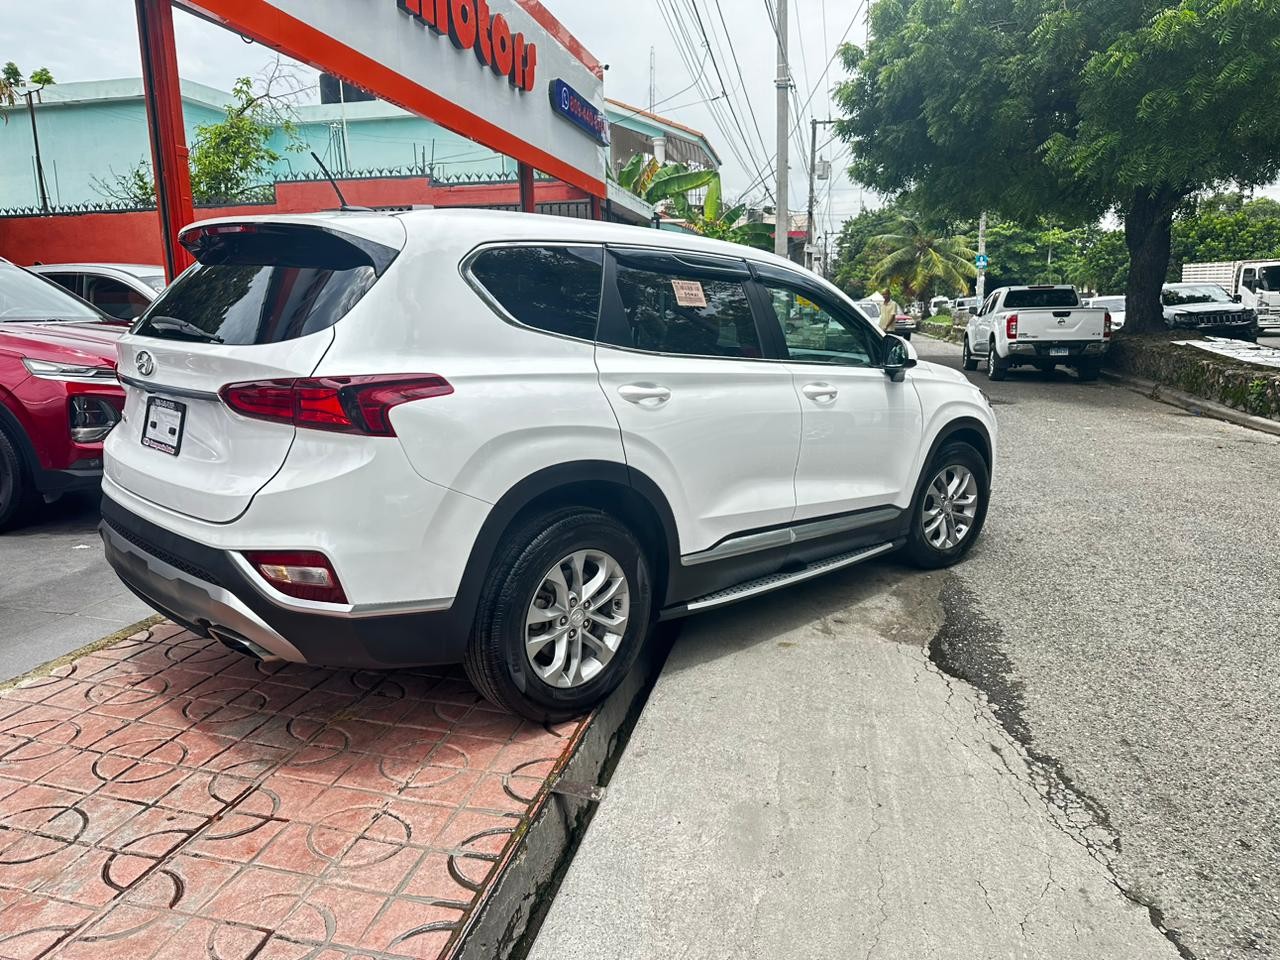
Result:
pixel 1238 298
pixel 899 357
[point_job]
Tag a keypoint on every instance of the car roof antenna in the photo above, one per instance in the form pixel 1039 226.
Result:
pixel 346 207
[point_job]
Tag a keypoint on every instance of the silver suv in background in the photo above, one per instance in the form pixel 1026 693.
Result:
pixel 122 290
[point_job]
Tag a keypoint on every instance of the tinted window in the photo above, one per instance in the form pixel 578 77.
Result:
pixel 1189 293
pixel 115 298
pixel 556 289
pixel 265 287
pixel 670 313
pixel 1048 299
pixel 815 334
pixel 69 281
pixel 25 296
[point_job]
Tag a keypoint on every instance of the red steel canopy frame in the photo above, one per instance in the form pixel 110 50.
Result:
pixel 259 20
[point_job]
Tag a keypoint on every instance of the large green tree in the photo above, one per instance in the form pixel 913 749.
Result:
pixel 1068 109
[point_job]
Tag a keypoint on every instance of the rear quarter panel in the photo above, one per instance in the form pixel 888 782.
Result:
pixel 522 400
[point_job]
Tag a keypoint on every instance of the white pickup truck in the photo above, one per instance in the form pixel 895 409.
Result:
pixel 1041 326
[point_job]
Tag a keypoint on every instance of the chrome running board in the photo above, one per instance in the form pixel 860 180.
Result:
pixel 776 581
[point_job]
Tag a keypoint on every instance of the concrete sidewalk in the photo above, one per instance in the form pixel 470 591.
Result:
pixel 804 783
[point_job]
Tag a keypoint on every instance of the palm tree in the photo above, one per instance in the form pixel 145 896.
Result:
pixel 918 261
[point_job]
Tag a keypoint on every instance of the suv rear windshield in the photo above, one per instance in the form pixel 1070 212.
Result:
pixel 265 285
pixel 1047 299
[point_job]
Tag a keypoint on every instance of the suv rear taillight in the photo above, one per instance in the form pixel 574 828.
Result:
pixel 1106 325
pixel 1011 326
pixel 341 404
pixel 303 574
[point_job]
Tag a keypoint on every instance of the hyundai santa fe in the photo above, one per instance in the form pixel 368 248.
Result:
pixel 369 440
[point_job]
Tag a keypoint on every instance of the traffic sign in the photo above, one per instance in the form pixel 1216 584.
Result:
pixel 983 261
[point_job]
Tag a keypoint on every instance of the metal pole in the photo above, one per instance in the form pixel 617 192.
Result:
pixel 813 174
pixel 164 123
pixel 35 139
pixel 528 203
pixel 782 230
pixel 981 290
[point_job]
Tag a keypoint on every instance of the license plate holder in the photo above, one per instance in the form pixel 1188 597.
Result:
pixel 1059 352
pixel 162 430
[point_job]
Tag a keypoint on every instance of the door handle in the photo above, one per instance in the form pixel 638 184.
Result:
pixel 820 392
pixel 644 394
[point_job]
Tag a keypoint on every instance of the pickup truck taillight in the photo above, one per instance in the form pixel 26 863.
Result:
pixel 1106 325
pixel 1011 326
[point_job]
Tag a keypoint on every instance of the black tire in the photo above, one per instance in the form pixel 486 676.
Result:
pixel 1089 370
pixel 496 661
pixel 919 550
pixel 17 493
pixel 997 369
pixel 970 361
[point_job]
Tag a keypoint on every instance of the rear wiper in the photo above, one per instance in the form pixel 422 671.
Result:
pixel 174 325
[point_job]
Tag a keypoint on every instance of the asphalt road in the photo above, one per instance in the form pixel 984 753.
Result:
pixel 809 778
pixel 56 591
pixel 1124 611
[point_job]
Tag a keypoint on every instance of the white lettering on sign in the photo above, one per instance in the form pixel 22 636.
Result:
pixel 689 293
pixel 471 26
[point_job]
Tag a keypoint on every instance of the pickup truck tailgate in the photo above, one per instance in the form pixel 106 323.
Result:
pixel 1081 323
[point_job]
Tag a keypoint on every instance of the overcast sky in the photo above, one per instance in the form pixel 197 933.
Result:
pixel 98 41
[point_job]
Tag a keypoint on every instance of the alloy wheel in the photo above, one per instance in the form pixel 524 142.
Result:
pixel 577 618
pixel 950 507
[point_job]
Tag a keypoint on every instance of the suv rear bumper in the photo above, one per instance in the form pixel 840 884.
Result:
pixel 205 590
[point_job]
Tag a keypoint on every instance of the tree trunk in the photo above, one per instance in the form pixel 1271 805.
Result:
pixel 1148 231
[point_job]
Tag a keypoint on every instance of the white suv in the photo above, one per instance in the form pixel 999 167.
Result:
pixel 515 441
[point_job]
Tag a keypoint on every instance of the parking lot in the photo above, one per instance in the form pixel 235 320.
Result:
pixel 1118 618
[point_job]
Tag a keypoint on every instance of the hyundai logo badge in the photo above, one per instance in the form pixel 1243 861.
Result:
pixel 146 363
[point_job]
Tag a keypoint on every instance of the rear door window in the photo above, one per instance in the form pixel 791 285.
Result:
pixel 116 298
pixel 681 308
pixel 553 289
pixel 71 281
pixel 1047 299
pixel 266 285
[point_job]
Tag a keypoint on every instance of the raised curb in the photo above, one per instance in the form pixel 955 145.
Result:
pixel 1192 404
pixel 505 924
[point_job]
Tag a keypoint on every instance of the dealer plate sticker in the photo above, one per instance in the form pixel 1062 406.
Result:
pixel 689 293
pixel 163 428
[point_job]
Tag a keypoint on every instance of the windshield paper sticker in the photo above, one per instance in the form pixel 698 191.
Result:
pixel 689 293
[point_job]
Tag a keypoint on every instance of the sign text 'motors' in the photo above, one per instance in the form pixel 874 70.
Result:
pixel 471 26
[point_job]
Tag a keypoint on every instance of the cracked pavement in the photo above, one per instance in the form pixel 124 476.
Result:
pixel 806 781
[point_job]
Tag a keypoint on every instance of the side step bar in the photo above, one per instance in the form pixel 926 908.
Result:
pixel 776 581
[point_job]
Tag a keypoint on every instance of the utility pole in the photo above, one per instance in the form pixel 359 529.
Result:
pixel 813 174
pixel 653 78
pixel 782 230
pixel 981 290
pixel 35 139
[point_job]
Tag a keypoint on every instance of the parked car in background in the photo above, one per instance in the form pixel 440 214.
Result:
pixel 904 325
pixel 59 396
pixel 1040 326
pixel 965 307
pixel 1254 283
pixel 529 474
pixel 1113 305
pixel 938 304
pixel 1207 309
pixel 121 290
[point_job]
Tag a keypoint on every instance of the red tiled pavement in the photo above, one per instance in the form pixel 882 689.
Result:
pixel 164 798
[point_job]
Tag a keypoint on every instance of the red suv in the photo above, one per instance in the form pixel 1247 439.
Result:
pixel 59 397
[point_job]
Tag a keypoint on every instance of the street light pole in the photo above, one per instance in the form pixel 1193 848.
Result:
pixel 981 290
pixel 35 139
pixel 782 231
